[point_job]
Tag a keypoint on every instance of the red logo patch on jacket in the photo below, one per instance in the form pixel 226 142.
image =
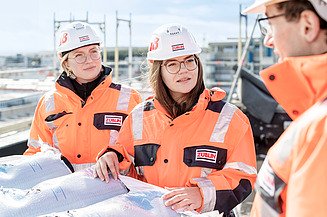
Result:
pixel 206 155
pixel 113 120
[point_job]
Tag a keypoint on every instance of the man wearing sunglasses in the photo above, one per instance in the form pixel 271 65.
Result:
pixel 291 181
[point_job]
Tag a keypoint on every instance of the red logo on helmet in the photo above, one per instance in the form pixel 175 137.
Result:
pixel 63 38
pixel 84 38
pixel 177 47
pixel 154 44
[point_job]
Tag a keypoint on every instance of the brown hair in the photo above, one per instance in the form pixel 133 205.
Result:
pixel 294 8
pixel 162 94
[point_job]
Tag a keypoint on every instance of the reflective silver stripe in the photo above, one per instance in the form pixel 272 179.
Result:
pixel 33 143
pixel 49 102
pixel 51 125
pixel 113 137
pixel 287 141
pixel 209 193
pixel 137 118
pixel 205 171
pixel 78 167
pixel 222 124
pixel 241 167
pixel 124 97
pixel 55 141
pixel 264 209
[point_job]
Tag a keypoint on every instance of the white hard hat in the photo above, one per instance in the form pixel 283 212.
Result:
pixel 259 6
pixel 75 35
pixel 171 40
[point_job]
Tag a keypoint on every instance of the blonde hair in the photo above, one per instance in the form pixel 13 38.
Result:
pixel 64 68
pixel 162 93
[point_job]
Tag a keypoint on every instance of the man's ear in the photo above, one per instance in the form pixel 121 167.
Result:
pixel 310 25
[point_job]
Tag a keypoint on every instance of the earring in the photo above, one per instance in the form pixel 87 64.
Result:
pixel 71 74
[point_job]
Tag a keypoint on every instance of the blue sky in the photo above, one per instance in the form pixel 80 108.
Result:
pixel 27 25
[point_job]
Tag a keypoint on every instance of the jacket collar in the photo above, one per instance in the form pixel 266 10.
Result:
pixel 298 82
pixel 64 83
pixel 215 94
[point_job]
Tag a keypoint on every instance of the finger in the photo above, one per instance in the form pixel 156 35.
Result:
pixel 111 164
pixel 95 174
pixel 104 171
pixel 172 193
pixel 183 204
pixel 175 199
pixel 99 172
pixel 117 169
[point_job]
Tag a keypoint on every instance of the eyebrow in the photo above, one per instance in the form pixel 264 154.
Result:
pixel 81 52
pixel 177 60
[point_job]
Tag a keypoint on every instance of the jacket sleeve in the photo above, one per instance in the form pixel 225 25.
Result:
pixel 125 148
pixel 39 132
pixel 223 189
pixel 307 189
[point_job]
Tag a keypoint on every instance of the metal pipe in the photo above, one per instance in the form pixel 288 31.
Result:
pixel 130 49
pixel 104 58
pixel 54 44
pixel 239 47
pixel 240 63
pixel 116 49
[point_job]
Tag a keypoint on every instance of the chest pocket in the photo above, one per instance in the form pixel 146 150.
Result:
pixel 205 156
pixel 109 120
pixel 145 155
pixel 54 121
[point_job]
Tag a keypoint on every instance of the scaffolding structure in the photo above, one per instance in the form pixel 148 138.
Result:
pixel 129 48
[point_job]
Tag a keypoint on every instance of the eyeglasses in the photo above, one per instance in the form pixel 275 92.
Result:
pixel 264 25
pixel 174 66
pixel 81 58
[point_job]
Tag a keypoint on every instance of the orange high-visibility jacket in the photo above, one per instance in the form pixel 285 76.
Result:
pixel 293 178
pixel 210 147
pixel 81 129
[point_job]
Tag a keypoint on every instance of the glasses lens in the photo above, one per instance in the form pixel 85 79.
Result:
pixel 173 67
pixel 95 55
pixel 80 59
pixel 264 27
pixel 190 63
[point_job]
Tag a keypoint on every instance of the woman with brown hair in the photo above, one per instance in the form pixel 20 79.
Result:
pixel 184 138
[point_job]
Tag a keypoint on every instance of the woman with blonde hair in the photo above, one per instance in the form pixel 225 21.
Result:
pixel 85 111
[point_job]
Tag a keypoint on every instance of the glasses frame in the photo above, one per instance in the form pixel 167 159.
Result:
pixel 264 30
pixel 86 56
pixel 180 65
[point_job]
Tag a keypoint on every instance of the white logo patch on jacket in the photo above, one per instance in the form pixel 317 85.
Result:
pixel 206 155
pixel 113 120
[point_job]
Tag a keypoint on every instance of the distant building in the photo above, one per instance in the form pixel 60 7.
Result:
pixel 222 60
pixel 218 59
pixel 21 61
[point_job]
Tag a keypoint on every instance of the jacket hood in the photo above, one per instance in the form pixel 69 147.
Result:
pixel 298 82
